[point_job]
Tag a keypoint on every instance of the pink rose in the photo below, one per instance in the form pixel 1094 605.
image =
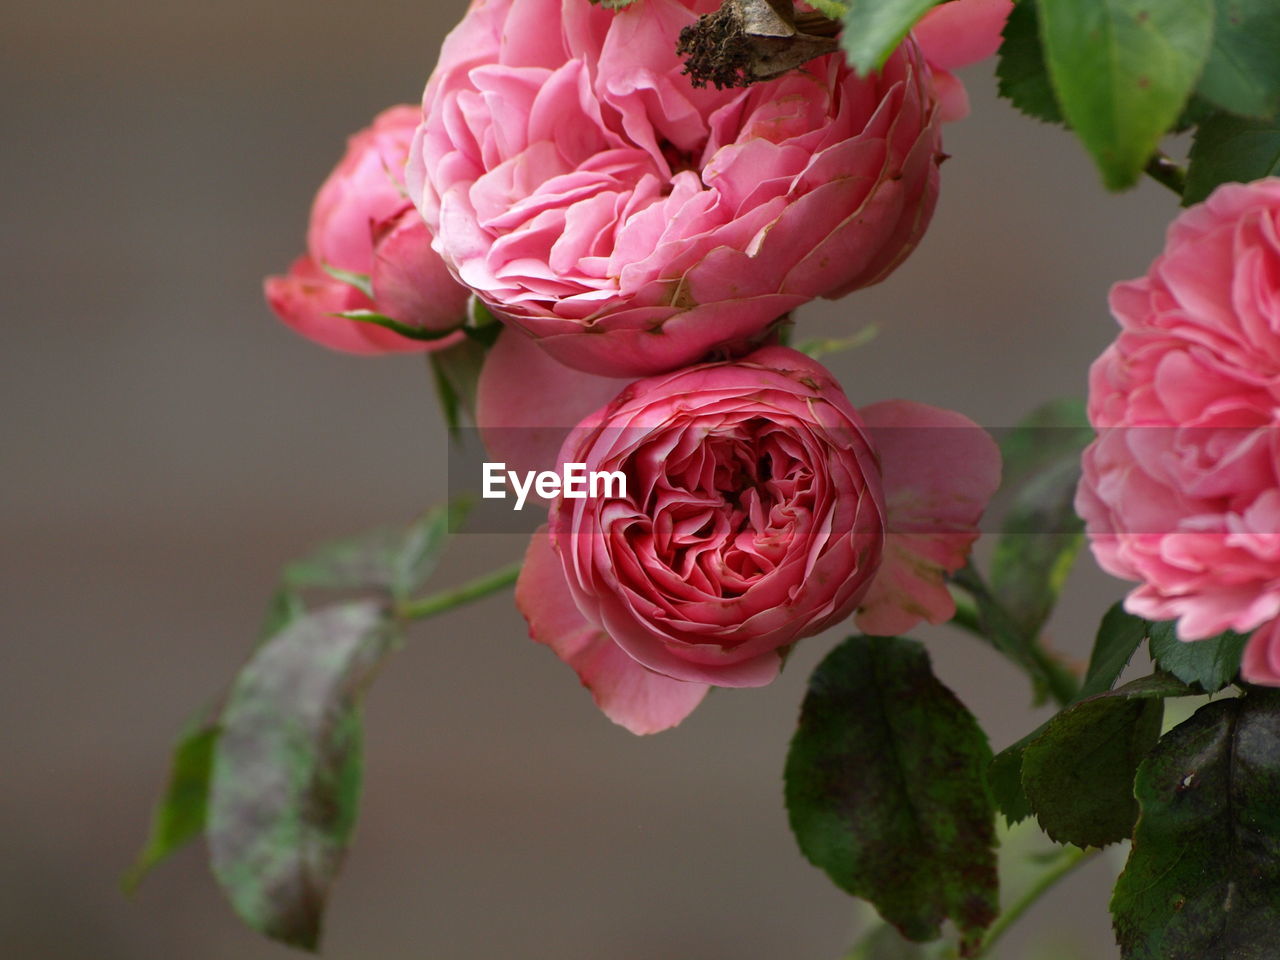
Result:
pixel 1180 489
pixel 760 509
pixel 588 193
pixel 362 223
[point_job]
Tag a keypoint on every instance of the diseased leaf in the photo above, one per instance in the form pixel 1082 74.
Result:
pixel 286 769
pixel 1122 71
pixel 1231 149
pixel 874 28
pixel 1202 876
pixel 1021 71
pixel 179 816
pixel 1212 663
pixel 1243 71
pixel 1077 773
pixel 395 560
pixel 886 760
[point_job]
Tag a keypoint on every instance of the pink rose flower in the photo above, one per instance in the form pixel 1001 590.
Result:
pixel 581 186
pixel 760 509
pixel 1180 490
pixel 363 223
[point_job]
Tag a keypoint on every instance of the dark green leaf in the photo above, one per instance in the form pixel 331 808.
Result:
pixel 1231 149
pixel 286 770
pixel 887 761
pixel 179 816
pixel 1023 76
pixel 1078 772
pixel 1243 71
pixel 1212 663
pixel 1202 878
pixel 397 561
pixel 1119 636
pixel 1122 71
pixel 874 28
pixel 406 330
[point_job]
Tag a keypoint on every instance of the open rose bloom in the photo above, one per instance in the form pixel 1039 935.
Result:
pixel 1181 490
pixel 761 508
pixel 363 224
pixel 580 185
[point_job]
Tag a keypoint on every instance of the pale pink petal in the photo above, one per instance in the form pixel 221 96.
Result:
pixel 628 694
pixel 526 402
pixel 961 32
pixel 939 471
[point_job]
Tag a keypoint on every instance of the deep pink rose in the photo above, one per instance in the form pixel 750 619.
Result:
pixel 363 223
pixel 1180 489
pixel 579 184
pixel 761 509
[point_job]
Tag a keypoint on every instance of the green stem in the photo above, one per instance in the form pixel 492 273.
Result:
pixel 1073 858
pixel 987 618
pixel 470 591
pixel 1165 171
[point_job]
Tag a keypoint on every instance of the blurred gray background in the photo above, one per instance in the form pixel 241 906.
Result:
pixel 167 444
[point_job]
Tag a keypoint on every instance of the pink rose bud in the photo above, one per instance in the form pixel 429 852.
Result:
pixel 362 224
pixel 1180 489
pixel 588 193
pixel 760 509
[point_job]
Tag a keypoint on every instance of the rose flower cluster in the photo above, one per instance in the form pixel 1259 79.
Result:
pixel 1181 489
pixel 621 223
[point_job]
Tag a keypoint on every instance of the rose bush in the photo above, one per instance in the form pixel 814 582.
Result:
pixel 588 193
pixel 1180 490
pixel 362 223
pixel 761 509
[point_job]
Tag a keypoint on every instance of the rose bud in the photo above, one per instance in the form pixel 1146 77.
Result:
pixel 587 192
pixel 366 237
pixel 760 508
pixel 1180 489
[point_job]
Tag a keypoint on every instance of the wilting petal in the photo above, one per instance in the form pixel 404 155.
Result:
pixel 629 694
pixel 939 470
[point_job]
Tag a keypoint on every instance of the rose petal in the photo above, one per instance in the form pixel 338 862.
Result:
pixel 939 470
pixel 628 694
pixel 961 32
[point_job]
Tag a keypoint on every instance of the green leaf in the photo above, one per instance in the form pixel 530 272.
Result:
pixel 1201 879
pixel 613 4
pixel 286 770
pixel 406 330
pixel 395 560
pixel 1054 431
pixel 285 607
pixel 1021 70
pixel 360 281
pixel 179 816
pixel 874 28
pixel 886 760
pixel 1078 772
pixel 821 347
pixel 1231 149
pixel 835 9
pixel 1122 71
pixel 1243 71
pixel 1118 638
pixel 1212 663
